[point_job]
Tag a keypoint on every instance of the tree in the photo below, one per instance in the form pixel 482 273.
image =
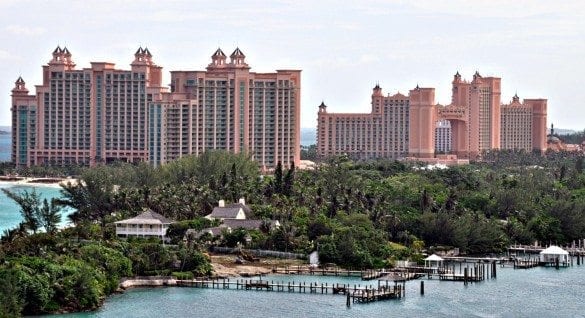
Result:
pixel 278 178
pixel 288 181
pixel 36 215
pixel 28 202
pixel 50 215
pixel 11 298
pixel 92 197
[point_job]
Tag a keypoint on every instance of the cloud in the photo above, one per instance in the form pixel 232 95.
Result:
pixel 25 30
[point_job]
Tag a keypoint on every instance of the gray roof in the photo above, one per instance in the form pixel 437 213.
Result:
pixel 230 211
pixel 245 224
pixel 147 217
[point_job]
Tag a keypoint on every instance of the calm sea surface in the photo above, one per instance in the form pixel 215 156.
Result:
pixel 5 147
pixel 537 292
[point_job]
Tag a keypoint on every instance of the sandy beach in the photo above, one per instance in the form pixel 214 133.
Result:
pixel 36 182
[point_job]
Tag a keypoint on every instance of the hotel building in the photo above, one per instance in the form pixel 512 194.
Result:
pixel 228 107
pixel 381 133
pixel 443 136
pixel 102 114
pixel 477 120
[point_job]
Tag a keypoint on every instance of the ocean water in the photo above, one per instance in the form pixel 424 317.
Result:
pixel 5 147
pixel 10 211
pixel 537 292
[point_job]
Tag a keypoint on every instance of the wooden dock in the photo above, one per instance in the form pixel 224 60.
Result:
pixel 382 293
pixel 356 293
pixel 307 270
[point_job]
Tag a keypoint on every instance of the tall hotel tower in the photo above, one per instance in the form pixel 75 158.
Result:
pixel 406 126
pixel 102 114
pixel 84 116
pixel 228 107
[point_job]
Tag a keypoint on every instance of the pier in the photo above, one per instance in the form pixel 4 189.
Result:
pixel 324 271
pixel 355 293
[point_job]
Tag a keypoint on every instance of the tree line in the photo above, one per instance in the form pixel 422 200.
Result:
pixel 358 214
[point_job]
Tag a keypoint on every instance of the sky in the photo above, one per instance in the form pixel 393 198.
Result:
pixel 342 47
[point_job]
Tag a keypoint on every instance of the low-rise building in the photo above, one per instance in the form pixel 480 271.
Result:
pixel 146 224
pixel 238 211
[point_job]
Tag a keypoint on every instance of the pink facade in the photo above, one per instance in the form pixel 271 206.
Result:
pixel 364 136
pixel 478 121
pixel 231 108
pixel 102 114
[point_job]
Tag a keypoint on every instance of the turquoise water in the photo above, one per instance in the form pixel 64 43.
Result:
pixel 5 147
pixel 537 292
pixel 10 211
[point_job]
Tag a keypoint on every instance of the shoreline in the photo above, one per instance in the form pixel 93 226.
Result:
pixel 37 182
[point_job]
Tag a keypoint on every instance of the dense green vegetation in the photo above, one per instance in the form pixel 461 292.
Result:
pixel 356 214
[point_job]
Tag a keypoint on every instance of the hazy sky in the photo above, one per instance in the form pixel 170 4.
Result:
pixel 343 47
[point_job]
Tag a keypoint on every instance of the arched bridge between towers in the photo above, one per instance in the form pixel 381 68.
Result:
pixel 458 117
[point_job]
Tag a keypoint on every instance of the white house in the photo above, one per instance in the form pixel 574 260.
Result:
pixel 237 211
pixel 146 224
pixel 233 216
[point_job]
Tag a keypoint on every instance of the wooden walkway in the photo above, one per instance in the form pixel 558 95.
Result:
pixel 383 293
pixel 356 293
pixel 307 270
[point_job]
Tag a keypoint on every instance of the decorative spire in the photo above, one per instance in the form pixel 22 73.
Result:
pixel 142 57
pixel 237 58
pixel 322 107
pixel 237 53
pixel 62 56
pixel 217 59
pixel 19 86
pixel 218 53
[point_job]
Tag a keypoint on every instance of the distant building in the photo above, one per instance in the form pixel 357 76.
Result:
pixel 233 216
pixel 102 114
pixel 85 116
pixel 228 107
pixel 401 126
pixel 146 224
pixel 556 144
pixel 382 133
pixel 238 211
pixel 443 136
